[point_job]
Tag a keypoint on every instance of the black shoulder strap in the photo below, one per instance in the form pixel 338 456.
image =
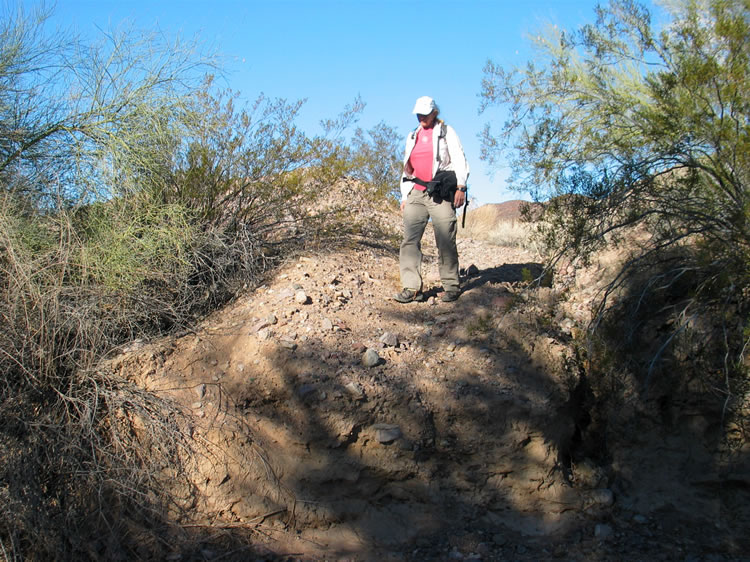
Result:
pixel 416 180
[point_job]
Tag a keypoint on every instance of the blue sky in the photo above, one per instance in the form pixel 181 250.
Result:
pixel 389 52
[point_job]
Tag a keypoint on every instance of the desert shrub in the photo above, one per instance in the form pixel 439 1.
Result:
pixel 96 250
pixel 134 197
pixel 377 160
pixel 89 258
pixel 618 127
pixel 255 181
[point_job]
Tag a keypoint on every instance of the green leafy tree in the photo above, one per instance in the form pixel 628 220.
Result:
pixel 618 125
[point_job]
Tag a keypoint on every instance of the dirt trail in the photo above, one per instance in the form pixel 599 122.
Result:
pixel 456 441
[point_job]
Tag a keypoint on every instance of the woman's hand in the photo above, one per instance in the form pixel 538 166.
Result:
pixel 403 204
pixel 460 198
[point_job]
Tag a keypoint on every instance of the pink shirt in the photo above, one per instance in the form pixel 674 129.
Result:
pixel 421 156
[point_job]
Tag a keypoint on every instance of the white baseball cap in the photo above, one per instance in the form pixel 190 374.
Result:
pixel 424 106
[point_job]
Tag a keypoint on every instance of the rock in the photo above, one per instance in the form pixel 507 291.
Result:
pixel 602 497
pixel 200 390
pixel 371 358
pixel 264 334
pixel 386 433
pixel 603 531
pixel 389 339
pixel 305 390
pixel 300 297
pixel 288 343
pixel 326 324
pixel 262 325
pixel 567 326
pixel 356 390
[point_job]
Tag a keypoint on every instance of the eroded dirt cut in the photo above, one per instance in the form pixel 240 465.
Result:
pixel 464 436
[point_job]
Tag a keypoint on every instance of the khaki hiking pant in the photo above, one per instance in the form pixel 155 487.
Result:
pixel 418 210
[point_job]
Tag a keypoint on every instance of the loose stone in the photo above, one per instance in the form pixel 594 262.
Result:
pixel 601 498
pixel 288 344
pixel 386 432
pixel 306 390
pixel 356 390
pixel 370 358
pixel 389 339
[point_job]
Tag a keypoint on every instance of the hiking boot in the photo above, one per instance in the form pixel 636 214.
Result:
pixel 450 296
pixel 406 295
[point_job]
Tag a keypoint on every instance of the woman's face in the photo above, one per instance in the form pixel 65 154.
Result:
pixel 427 121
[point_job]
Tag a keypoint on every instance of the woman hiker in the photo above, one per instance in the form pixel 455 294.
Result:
pixel 433 154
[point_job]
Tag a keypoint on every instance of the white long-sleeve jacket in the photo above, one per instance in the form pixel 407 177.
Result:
pixel 449 156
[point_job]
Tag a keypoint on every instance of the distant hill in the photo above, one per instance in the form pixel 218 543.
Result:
pixel 487 218
pixel 498 211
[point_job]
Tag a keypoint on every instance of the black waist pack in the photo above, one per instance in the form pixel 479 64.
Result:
pixel 442 186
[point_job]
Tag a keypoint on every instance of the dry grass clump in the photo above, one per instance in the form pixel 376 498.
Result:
pixel 87 470
pixel 82 451
pixel 514 234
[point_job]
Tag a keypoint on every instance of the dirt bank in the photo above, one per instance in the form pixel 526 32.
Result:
pixel 339 424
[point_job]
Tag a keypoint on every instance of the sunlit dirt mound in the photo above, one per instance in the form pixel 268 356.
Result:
pixel 336 423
